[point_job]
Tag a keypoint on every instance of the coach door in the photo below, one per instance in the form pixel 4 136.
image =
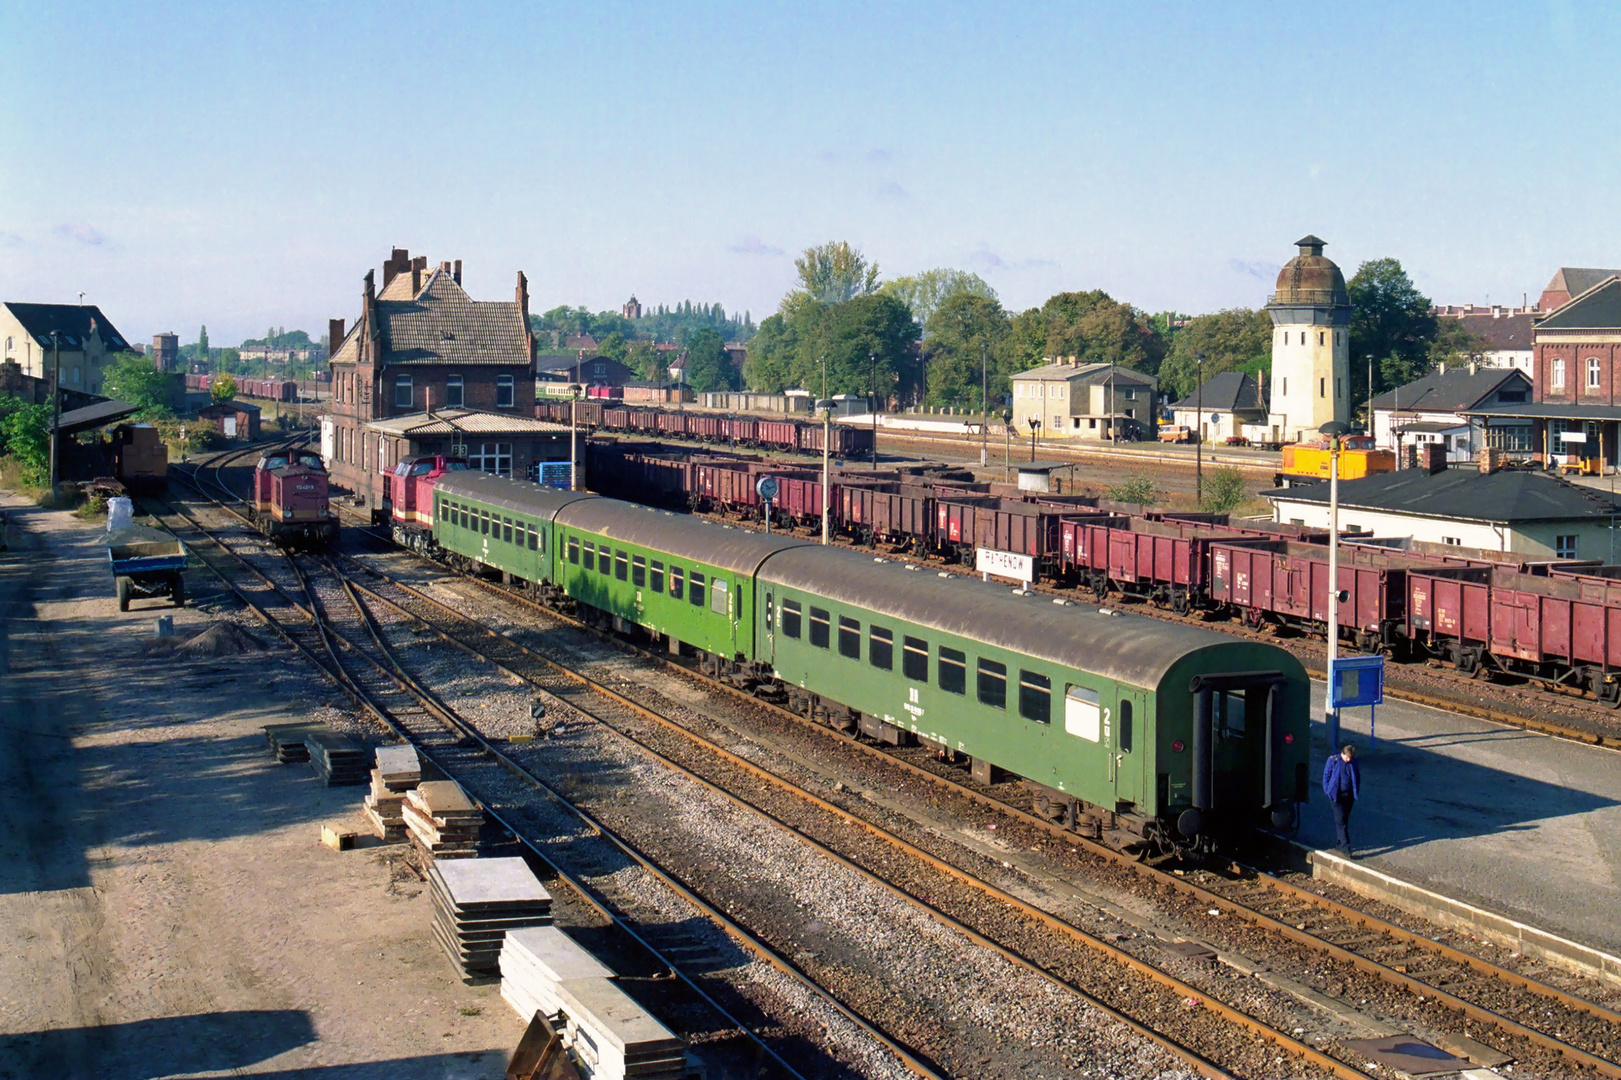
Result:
pixel 1128 758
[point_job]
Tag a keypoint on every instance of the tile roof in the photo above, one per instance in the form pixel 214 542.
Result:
pixel 1507 496
pixel 1546 410
pixel 472 421
pixel 443 325
pixel 1453 390
pixel 1089 373
pixel 1598 308
pixel 72 322
pixel 1502 333
pixel 1576 280
pixel 1227 392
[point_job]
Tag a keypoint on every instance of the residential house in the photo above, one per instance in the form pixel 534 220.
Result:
pixel 85 341
pixel 421 343
pixel 588 370
pixel 1218 413
pixel 1072 400
pixel 1450 407
pixel 1569 283
pixel 1533 513
pixel 1504 332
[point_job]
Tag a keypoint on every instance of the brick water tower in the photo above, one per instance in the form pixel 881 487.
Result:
pixel 1311 345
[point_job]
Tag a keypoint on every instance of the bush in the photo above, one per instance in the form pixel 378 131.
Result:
pixel 1135 489
pixel 1223 491
pixel 94 506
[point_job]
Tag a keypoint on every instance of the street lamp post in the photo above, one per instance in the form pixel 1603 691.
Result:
pixel 1198 434
pixel 1335 430
pixel 984 406
pixel 1007 443
pixel 872 381
pixel 56 403
pixel 1034 424
pixel 573 431
pixel 826 405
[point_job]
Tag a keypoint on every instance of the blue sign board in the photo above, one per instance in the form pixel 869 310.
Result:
pixel 1357 680
pixel 555 474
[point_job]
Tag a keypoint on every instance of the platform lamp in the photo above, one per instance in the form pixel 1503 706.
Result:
pixel 826 407
pixel 1334 430
pixel 1034 424
pixel 573 433
pixel 56 403
pixel 1007 442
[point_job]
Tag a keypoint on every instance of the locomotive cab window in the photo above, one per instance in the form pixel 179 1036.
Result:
pixel 915 659
pixel 621 565
pixel 881 648
pixel 676 581
pixel 849 638
pixel 819 626
pixel 656 578
pixel 695 589
pixel 953 671
pixel 1035 697
pixel 790 618
pixel 992 684
pixel 574 550
pixel 717 596
pixel 638 571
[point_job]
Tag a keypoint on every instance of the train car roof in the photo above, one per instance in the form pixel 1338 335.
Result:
pixel 522 496
pixel 681 535
pixel 1131 649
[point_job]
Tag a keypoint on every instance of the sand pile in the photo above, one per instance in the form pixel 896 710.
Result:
pixel 221 639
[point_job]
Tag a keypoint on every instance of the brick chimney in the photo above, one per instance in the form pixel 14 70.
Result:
pixel 456 272
pixel 1435 457
pixel 371 287
pixel 419 266
pixel 1489 458
pixel 334 335
pixel 398 263
pixel 521 294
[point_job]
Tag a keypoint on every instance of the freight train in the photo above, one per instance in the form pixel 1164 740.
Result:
pixel 767 433
pixel 1159 735
pixel 290 501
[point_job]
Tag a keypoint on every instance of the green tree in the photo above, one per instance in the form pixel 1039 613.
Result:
pixel 223 388
pixel 202 344
pixel 1135 489
pixel 1095 328
pixel 708 367
pixel 1224 490
pixel 832 273
pixel 1391 323
pixel 966 330
pixel 1454 344
pixel 613 346
pixel 1237 339
pixel 1027 339
pixel 137 380
pixel 773 352
pixel 924 293
pixel 25 436
pixel 870 345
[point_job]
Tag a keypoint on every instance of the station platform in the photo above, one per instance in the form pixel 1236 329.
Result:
pixel 1518 823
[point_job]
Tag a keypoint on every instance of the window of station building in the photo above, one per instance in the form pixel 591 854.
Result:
pixel 574 550
pixel 717 596
pixel 790 618
pixel 1564 547
pixel 676 583
pixel 819 626
pixel 621 565
pixel 638 571
pixel 915 659
pixel 491 458
pixel 695 589
pixel 453 391
pixel 992 684
pixel 656 576
pixel 881 648
pixel 1594 375
pixel 503 391
pixel 953 669
pixel 1035 697
pixel 849 638
pixel 1556 376
pixel 402 392
pixel 506 530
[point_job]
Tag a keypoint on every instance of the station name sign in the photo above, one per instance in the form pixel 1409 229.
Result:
pixel 1005 564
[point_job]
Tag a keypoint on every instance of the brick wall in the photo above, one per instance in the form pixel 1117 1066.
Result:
pixel 1575 389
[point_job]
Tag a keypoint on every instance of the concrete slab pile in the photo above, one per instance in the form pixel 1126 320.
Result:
pixel 398 771
pixel 337 759
pixel 476 902
pixel 443 822
pixel 535 961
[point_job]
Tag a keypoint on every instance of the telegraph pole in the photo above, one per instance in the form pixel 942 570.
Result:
pixel 56 403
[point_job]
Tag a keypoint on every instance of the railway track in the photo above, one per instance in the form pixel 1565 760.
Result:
pixel 324 619
pixel 1452 989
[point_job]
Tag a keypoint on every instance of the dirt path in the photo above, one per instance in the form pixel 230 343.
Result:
pixel 165 906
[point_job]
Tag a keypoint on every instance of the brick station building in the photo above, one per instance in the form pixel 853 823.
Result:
pixel 421 344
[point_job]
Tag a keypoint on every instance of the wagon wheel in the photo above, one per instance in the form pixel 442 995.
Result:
pixel 1253 618
pixel 178 592
pixel 1100 585
pixel 123 586
pixel 1180 602
pixel 1610 695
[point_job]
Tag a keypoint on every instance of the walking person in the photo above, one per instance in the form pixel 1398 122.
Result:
pixel 1342 780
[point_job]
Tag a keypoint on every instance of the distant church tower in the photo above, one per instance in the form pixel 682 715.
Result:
pixel 1311 345
pixel 632 308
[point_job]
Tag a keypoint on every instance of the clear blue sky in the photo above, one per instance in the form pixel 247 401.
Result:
pixel 243 164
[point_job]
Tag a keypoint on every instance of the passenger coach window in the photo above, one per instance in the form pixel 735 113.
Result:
pixel 605 560
pixel 484 523
pixel 638 571
pixel 1124 738
pixel 819 628
pixel 675 583
pixel 953 671
pixel 915 659
pixel 790 618
pixel 506 530
pixel 590 556
pixel 462 512
pixel 534 539
pixel 849 638
pixel 695 589
pixel 574 550
pixel 881 648
pixel 658 577
pixel 717 596
pixel 1035 697
pixel 621 565
pixel 993 684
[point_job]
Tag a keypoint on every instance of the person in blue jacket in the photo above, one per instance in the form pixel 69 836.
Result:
pixel 1342 780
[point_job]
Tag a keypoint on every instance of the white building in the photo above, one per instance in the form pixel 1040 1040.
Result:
pixel 1505 332
pixel 1311 345
pixel 1223 408
pixel 84 342
pixel 1432 410
pixel 1084 401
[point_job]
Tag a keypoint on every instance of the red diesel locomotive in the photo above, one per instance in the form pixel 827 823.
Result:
pixel 291 501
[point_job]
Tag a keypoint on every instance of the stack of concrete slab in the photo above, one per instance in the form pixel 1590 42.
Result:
pixel 288 741
pixel 476 902
pixel 442 820
pixel 533 963
pixel 336 758
pixel 612 1037
pixel 398 771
